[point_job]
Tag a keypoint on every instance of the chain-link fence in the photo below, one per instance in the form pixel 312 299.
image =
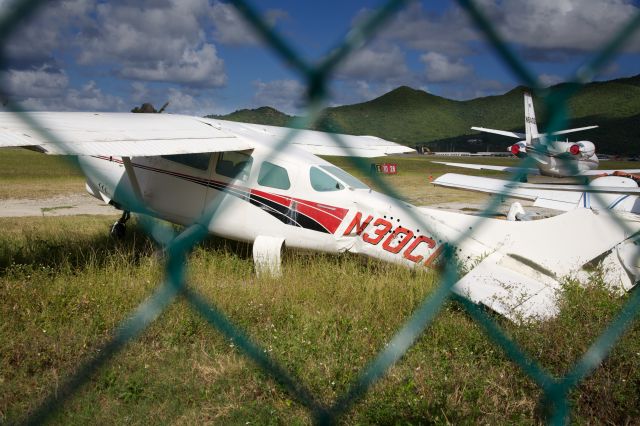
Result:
pixel 317 76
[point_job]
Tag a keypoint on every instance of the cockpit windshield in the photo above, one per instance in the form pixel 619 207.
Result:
pixel 332 178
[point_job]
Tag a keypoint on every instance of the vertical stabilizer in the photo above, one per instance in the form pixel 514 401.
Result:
pixel 530 126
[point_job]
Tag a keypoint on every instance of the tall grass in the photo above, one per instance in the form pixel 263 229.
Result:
pixel 64 286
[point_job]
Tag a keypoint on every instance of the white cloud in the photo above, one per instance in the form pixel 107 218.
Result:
pixel 284 95
pixel 583 25
pixel 200 67
pixel 231 28
pixel 184 103
pixel 441 69
pixel 140 92
pixel 382 62
pixel 447 32
pixel 88 98
pixel 33 43
pixel 163 41
pixel 43 82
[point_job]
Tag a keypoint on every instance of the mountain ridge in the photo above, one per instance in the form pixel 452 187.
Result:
pixel 414 117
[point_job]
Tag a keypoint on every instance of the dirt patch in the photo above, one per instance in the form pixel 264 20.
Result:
pixel 63 205
pixel 76 204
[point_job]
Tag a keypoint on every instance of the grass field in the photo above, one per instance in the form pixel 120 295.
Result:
pixel 64 286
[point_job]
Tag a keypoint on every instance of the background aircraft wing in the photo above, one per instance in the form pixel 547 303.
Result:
pixel 488 167
pixel 554 196
pixel 598 172
pixel 116 134
pixel 315 142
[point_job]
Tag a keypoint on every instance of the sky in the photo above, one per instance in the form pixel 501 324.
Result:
pixel 202 57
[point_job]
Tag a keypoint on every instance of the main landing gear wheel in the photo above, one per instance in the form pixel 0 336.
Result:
pixel 119 229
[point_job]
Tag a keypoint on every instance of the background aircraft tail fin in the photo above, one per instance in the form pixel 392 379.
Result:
pixel 530 125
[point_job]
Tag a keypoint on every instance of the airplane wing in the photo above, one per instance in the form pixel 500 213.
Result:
pixel 487 167
pixel 116 134
pixel 559 197
pixel 137 135
pixel 500 132
pixel 316 142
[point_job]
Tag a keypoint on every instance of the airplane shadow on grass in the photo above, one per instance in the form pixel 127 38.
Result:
pixel 75 253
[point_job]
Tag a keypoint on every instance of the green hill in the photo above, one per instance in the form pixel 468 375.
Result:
pixel 414 117
pixel 262 115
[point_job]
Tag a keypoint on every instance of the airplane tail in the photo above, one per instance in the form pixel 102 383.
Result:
pixel 530 125
pixel 522 265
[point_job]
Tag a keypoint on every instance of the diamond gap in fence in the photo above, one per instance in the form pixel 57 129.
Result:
pixel 316 77
pixel 455 374
pixel 180 370
pixel 323 318
pixel 63 294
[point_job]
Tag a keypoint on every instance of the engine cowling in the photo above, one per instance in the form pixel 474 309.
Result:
pixel 583 149
pixel 518 149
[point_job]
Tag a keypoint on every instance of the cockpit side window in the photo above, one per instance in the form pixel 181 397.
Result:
pixel 198 161
pixel 320 181
pixel 273 176
pixel 234 164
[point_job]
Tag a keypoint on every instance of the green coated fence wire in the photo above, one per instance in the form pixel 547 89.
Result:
pixel 174 286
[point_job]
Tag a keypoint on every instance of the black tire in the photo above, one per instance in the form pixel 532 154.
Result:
pixel 118 230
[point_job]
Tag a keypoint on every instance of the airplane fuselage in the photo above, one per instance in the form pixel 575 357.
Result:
pixel 325 218
pixel 295 197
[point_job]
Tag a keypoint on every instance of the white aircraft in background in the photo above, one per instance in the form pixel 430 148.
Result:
pixel 618 191
pixel 236 181
pixel 552 158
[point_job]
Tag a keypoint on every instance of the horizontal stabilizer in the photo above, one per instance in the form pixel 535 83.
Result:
pixel 510 288
pixel 500 132
pixel 564 132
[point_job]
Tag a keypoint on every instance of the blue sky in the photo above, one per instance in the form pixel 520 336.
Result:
pixel 199 54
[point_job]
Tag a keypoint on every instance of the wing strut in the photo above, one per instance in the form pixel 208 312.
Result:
pixel 128 166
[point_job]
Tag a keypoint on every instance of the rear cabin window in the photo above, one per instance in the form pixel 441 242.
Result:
pixel 273 176
pixel 198 161
pixel 234 164
pixel 322 182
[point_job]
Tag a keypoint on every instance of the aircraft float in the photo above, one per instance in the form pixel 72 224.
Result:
pixel 552 158
pixel 240 181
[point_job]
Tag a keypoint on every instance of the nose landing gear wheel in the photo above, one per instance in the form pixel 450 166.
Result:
pixel 118 229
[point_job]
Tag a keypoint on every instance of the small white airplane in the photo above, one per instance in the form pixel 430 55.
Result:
pixel 552 158
pixel 239 181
